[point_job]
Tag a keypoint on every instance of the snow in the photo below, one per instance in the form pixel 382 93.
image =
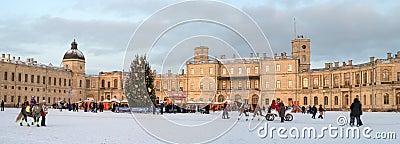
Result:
pixel 108 127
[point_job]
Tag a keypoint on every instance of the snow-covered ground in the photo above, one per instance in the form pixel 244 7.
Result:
pixel 79 127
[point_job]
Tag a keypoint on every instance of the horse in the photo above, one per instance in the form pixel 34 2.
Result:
pixel 244 109
pixel 35 114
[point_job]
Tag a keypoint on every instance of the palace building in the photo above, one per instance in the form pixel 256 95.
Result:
pixel 254 79
pixel 19 80
pixel 261 79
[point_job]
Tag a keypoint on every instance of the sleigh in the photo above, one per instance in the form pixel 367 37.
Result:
pixel 270 116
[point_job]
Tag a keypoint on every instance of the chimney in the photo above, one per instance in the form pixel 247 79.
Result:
pixel 183 71
pixel 13 57
pixel 389 55
pixel 3 56
pixel 371 59
pixel 169 72
pixel 344 63
pixel 350 62
pixel 251 55
pixel 330 65
pixel 336 64
pixel 327 65
pixel 8 57
pixel 19 59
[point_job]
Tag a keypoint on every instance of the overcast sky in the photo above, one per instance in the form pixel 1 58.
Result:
pixel 339 30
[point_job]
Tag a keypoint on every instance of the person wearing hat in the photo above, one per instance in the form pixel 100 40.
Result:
pixel 44 113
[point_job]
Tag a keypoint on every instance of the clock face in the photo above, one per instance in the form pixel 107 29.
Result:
pixel 304 46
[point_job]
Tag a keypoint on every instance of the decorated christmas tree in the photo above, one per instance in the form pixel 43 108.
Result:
pixel 139 88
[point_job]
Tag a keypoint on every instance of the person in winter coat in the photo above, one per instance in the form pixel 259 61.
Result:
pixel 2 105
pixel 321 111
pixel 33 102
pixel 356 112
pixel 282 111
pixel 303 110
pixel 313 111
pixel 44 113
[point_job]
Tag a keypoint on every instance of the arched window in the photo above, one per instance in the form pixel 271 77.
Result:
pixel 305 100
pixel 254 99
pixel 385 75
pixel 386 98
pixel 326 100
pixel 315 100
pixel 336 100
pixel 237 98
pixel 398 98
pixel 221 98
pixel 102 83
pixel 115 83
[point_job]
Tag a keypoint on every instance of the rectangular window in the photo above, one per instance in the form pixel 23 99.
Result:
pixel 267 101
pixel 210 86
pixel 256 70
pixel 65 82
pixel 59 81
pixel 248 70
pixel 231 71
pixel 278 68
pixel 49 82
pixel 19 77
pixel 240 71
pixel 223 84
pixel 224 71
pixel 290 84
pixel 211 70
pixel 44 80
pixel 248 84
pixel 192 86
pixel 266 68
pixel 12 99
pixel 192 71
pixel 289 68
pixel 26 77
pixel 55 81
pixel 239 84
pixel 231 84
pixel 201 71
pixel 278 84
pixel 12 76
pixel 87 83
pixel 5 98
pixel 256 84
pixel 398 76
pixel 266 84
pixel 5 75
pixel 201 85
pixel 32 78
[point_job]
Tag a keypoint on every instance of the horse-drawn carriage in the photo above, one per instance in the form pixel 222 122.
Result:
pixel 270 116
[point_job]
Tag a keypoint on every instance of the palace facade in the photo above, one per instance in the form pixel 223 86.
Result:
pixel 261 79
pixel 19 80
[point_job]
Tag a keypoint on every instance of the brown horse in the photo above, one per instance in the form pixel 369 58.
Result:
pixel 35 114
